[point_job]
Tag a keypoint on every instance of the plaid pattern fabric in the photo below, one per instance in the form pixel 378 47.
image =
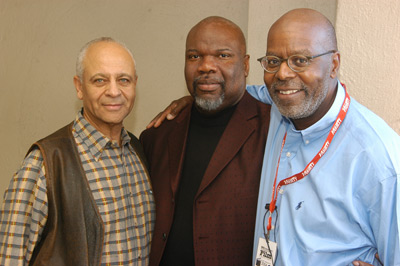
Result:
pixel 24 212
pixel 120 187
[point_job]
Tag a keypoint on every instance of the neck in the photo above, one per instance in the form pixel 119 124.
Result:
pixel 217 119
pixel 111 131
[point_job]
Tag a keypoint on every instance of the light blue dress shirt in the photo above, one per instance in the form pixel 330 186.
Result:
pixel 348 207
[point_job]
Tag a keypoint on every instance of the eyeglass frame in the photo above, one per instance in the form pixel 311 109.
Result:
pixel 287 62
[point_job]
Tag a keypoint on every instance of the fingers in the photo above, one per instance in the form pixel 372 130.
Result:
pixel 180 105
pixel 154 121
pixel 377 257
pixel 171 111
pixel 166 114
pixel 361 263
pixel 177 106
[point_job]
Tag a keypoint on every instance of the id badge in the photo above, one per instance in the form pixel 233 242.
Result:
pixel 265 256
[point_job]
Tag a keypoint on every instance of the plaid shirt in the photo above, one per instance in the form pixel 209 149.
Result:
pixel 120 187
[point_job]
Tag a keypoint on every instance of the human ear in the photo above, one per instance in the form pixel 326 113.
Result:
pixel 335 65
pixel 78 87
pixel 246 65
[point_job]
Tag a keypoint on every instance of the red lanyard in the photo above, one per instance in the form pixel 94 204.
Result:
pixel 294 178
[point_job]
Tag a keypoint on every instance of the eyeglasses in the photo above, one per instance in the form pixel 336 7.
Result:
pixel 297 62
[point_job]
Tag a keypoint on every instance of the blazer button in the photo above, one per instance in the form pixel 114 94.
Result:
pixel 164 236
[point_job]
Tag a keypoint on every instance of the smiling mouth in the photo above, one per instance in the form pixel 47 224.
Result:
pixel 288 92
pixel 112 107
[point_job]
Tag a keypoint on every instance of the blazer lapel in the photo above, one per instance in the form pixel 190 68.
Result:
pixel 176 147
pixel 235 135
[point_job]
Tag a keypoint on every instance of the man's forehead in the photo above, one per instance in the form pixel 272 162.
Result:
pixel 108 57
pixel 110 66
pixel 215 32
pixel 298 30
pixel 215 44
pixel 108 50
pixel 212 35
pixel 292 41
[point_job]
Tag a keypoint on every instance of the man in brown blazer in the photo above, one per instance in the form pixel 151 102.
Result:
pixel 205 165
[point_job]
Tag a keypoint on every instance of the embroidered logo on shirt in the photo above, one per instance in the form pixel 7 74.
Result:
pixel 299 205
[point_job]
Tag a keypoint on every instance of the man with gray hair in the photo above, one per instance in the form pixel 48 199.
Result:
pixel 82 195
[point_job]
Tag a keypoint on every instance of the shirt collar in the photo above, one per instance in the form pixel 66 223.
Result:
pixel 94 139
pixel 326 122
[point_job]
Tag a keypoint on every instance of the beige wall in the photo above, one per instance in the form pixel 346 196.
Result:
pixel 39 41
pixel 368 38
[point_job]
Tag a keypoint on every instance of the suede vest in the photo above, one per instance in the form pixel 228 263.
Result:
pixel 74 231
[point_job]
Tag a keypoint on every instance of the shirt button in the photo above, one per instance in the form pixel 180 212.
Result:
pixel 307 141
pixel 288 154
pixel 164 236
pixel 281 191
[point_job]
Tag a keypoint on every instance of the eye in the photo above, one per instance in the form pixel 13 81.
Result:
pixel 193 56
pixel 224 55
pixel 124 81
pixel 299 60
pixel 273 61
pixel 99 81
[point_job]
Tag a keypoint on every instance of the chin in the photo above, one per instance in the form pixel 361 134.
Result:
pixel 208 105
pixel 111 119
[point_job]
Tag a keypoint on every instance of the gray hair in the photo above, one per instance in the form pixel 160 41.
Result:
pixel 82 53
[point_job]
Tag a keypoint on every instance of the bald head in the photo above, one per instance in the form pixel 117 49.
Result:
pixel 220 22
pixel 308 21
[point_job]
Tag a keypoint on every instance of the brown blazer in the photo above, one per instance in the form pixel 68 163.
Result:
pixel 225 205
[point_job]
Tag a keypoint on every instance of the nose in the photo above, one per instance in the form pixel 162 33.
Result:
pixel 285 72
pixel 113 89
pixel 207 65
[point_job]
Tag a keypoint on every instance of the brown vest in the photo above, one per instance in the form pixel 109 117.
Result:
pixel 74 231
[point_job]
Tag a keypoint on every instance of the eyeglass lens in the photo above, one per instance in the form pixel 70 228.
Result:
pixel 295 62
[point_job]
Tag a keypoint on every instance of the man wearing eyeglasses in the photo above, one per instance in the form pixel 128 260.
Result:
pixel 330 181
pixel 329 191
